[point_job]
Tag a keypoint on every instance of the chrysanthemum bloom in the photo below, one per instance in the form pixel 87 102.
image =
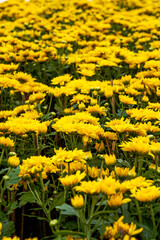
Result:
pixel 97 109
pixel 10 238
pixel 110 135
pixel 61 79
pixel 127 100
pixel 36 97
pixel 93 172
pixel 137 144
pixel 117 200
pixel 138 182
pixel 121 126
pixel 121 229
pixel 154 167
pixel 110 159
pixel 77 201
pixel 90 187
pixel 64 156
pixel 124 172
pixel 147 194
pixel 74 179
pixel 109 186
pixel 6 142
pixel 13 161
pixel 37 164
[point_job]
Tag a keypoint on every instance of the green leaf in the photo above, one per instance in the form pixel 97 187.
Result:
pixel 120 113
pixel 13 177
pixel 68 210
pixel 156 208
pixel 7 228
pixel 58 200
pixel 36 216
pixel 13 206
pixel 4 170
pixel 27 197
pixel 46 184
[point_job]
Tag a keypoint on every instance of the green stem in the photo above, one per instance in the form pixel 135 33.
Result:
pixel 153 221
pixel 40 203
pixel 2 156
pixel 135 162
pixel 69 171
pixel 138 211
pixel 100 204
pixel 95 226
pixel 94 200
pixel 65 141
pixel 50 103
pixel 101 168
pixel 3 187
pixel 140 164
pixel 42 187
pixel 122 111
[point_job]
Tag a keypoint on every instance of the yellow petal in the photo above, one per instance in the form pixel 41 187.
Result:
pixel 126 200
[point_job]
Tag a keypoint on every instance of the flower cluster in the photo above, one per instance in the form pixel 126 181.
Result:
pixel 80 119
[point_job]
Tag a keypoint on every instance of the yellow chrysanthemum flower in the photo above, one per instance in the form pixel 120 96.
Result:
pixel 13 161
pixel 6 142
pixel 110 159
pixel 122 229
pixel 117 200
pixel 127 100
pixel 71 180
pixel 147 194
pixel 64 156
pixel 90 187
pixel 77 201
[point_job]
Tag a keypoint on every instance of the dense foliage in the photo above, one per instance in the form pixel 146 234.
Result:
pixel 79 119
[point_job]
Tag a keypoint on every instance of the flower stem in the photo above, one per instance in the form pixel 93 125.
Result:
pixel 153 221
pixel 1 156
pixel 138 211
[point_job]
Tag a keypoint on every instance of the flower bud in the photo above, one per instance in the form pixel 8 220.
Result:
pixel 6 177
pixel 12 154
pixel 53 222
pixel 53 113
pixel 151 136
pixel 45 107
pixel 54 192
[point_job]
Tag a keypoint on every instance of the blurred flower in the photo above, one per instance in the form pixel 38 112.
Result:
pixel 77 201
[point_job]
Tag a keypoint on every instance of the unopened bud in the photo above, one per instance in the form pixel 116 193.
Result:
pixel 53 113
pixel 12 154
pixel 6 177
pixel 53 222
pixel 151 136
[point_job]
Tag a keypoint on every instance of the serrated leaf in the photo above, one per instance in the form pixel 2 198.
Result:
pixel 57 201
pixel 68 210
pixel 13 177
pixel 27 197
pixel 7 228
pixel 13 206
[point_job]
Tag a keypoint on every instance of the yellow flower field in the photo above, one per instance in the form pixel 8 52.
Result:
pixel 80 120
